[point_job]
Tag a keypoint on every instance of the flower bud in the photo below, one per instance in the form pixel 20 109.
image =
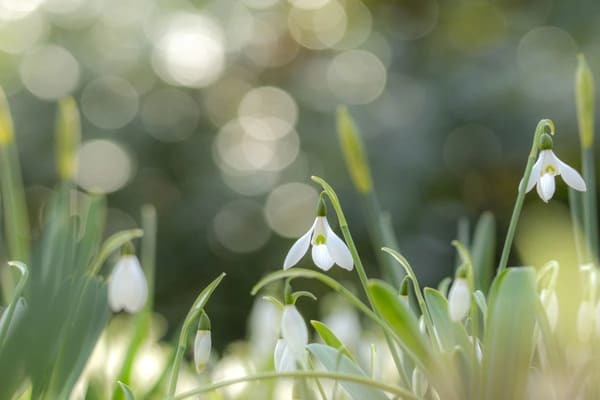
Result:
pixel 584 99
pixel 68 136
pixel 127 288
pixel 459 299
pixel 354 151
pixel 6 126
pixel 202 343
pixel 283 359
pixel 419 383
pixel 294 331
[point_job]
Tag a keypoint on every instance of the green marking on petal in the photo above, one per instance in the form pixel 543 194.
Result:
pixel 320 239
pixel 550 170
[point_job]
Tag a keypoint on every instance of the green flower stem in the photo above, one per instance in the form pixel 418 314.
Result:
pixel 512 227
pixel 394 390
pixel 17 293
pixel 590 213
pixel 357 261
pixel 186 330
pixel 148 250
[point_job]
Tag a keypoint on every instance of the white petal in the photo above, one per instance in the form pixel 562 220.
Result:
pixel 459 299
pixel 338 250
pixel 550 302
pixel 535 173
pixel 571 176
pixel 294 331
pixel 298 249
pixel 127 289
pixel 585 321
pixel 321 257
pixel 202 347
pixel 283 358
pixel 546 187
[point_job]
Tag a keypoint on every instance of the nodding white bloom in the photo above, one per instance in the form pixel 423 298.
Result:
pixel 127 288
pixel 419 383
pixel 283 358
pixel 585 321
pixel 294 332
pixel 459 299
pixel 550 303
pixel 327 247
pixel 202 343
pixel 546 168
pixel 202 347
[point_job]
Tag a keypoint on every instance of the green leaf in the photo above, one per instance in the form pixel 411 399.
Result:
pixel 334 361
pixel 401 320
pixel 331 339
pixel 450 333
pixel 483 251
pixel 126 391
pixel 509 337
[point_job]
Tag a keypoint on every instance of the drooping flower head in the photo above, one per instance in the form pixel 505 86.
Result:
pixel 127 287
pixel 547 167
pixel 202 343
pixel 327 247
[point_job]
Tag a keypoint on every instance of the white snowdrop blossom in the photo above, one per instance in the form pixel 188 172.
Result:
pixel 327 248
pixel 585 321
pixel 283 358
pixel 202 347
pixel 546 168
pixel 550 302
pixel 127 288
pixel 459 299
pixel 294 332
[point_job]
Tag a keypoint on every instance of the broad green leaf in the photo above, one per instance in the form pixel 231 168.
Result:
pixel 330 338
pixel 126 391
pixel 483 251
pixel 509 338
pixel 401 320
pixel 334 361
pixel 450 333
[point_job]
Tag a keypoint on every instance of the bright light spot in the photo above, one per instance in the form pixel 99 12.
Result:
pixel 19 36
pixel 62 6
pixel 546 58
pixel 49 72
pixel 240 226
pixel 170 114
pixel 273 109
pixel 230 367
pixel 189 50
pixel 290 209
pixel 284 389
pixel 16 9
pixel 319 28
pixel 270 44
pixel 249 183
pixel 356 76
pixel 221 99
pixel 309 4
pixel 148 366
pixel 360 24
pixel 109 102
pixel 260 4
pixel 104 166
pixel 236 147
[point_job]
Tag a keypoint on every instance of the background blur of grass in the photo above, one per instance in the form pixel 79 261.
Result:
pixel 218 112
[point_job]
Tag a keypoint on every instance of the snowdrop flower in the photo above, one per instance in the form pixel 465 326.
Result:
pixel 550 303
pixel 294 333
pixel 127 288
pixel 327 247
pixel 283 358
pixel 202 343
pixel 547 167
pixel 459 299
pixel 585 320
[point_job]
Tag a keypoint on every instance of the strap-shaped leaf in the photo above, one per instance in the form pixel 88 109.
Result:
pixel 509 338
pixel 334 361
pixel 330 338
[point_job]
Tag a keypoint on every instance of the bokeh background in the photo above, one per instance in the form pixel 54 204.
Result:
pixel 217 112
